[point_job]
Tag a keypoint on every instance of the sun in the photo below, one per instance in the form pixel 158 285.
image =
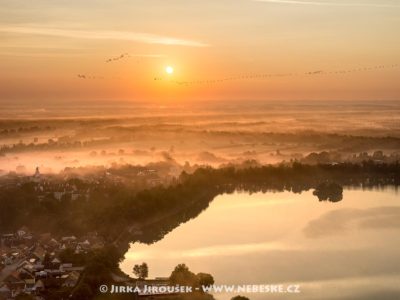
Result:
pixel 169 70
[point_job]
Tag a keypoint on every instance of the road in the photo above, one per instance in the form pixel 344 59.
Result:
pixel 9 269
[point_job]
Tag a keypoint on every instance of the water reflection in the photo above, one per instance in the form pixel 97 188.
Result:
pixel 329 191
pixel 343 250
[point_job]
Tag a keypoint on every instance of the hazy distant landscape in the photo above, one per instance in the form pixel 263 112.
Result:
pixel 201 135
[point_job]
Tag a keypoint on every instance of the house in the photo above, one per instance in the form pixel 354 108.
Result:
pixel 22 231
pixel 56 263
pixel 39 253
pixel 15 255
pixel 58 195
pixel 72 279
pixel 25 265
pixel 14 282
pixel 68 239
pixel 41 274
pixel 63 267
pixel 38 267
pixel 84 245
pixel 7 260
pixel 29 284
pixel 38 287
pixel 71 269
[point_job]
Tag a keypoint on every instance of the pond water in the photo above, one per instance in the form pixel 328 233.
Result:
pixel 344 250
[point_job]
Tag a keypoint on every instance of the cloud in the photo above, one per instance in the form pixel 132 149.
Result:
pixel 103 35
pixel 338 222
pixel 321 3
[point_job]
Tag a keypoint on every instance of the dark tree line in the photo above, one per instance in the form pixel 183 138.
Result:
pixel 112 210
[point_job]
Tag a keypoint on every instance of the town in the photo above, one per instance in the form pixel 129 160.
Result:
pixel 33 264
pixel 36 264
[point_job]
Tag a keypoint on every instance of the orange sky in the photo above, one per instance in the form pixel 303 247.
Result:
pixel 45 45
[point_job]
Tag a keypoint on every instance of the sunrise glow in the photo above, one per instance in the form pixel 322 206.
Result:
pixel 169 70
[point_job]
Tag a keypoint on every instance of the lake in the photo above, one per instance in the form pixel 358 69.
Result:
pixel 344 250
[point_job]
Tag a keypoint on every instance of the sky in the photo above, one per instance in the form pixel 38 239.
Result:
pixel 112 50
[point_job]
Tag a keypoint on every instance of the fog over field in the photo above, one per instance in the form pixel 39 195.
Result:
pixel 55 137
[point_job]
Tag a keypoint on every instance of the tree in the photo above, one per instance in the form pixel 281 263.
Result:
pixel 141 271
pixel 83 292
pixel 205 279
pixel 329 191
pixel 183 276
pixel 240 298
